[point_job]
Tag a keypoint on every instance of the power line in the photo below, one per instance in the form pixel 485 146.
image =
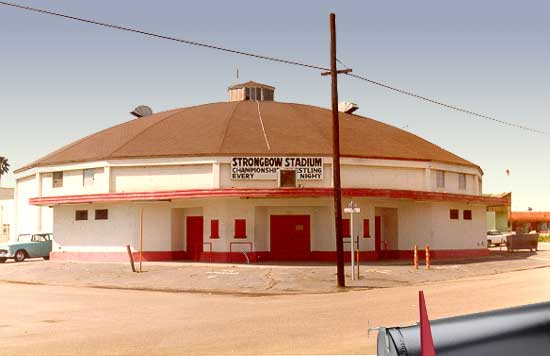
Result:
pixel 146 33
pixel 273 59
pixel 452 107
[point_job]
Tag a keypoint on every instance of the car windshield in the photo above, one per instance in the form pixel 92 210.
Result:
pixel 24 238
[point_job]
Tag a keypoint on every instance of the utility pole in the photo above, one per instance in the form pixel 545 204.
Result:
pixel 336 155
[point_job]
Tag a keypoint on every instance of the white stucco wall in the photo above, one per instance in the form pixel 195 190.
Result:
pixel 155 178
pixel 164 224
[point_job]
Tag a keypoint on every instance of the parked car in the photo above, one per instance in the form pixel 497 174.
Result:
pixel 495 238
pixel 27 246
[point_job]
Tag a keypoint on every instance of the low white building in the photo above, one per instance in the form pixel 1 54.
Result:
pixel 251 175
pixel 7 214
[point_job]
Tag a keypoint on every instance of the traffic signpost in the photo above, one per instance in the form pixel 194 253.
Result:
pixel 352 209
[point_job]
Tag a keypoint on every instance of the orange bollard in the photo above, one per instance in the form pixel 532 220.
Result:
pixel 427 257
pixel 415 258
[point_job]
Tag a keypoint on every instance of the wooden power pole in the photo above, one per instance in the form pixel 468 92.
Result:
pixel 336 155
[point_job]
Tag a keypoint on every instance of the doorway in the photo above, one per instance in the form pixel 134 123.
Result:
pixel 194 233
pixel 290 237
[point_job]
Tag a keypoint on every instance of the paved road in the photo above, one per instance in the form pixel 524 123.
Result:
pixel 47 320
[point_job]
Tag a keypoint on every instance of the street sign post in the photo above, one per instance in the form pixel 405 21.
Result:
pixel 352 209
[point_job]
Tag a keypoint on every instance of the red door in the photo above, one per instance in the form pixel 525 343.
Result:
pixel 377 235
pixel 194 231
pixel 289 236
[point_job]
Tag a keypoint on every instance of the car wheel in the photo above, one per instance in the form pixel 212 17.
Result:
pixel 46 257
pixel 489 242
pixel 20 256
pixel 3 259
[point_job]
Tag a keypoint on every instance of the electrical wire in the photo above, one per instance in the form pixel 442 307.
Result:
pixel 273 59
pixel 146 33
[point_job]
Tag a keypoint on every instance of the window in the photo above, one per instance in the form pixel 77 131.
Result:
pixel 6 229
pixel 287 178
pixel 214 229
pixel 88 177
pixel 101 214
pixel 462 181
pixel 366 228
pixel 81 215
pixel 268 95
pixel 240 228
pixel 345 228
pixel 467 215
pixel 57 181
pixel 453 214
pixel 440 179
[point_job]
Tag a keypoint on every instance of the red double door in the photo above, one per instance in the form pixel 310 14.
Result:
pixel 290 237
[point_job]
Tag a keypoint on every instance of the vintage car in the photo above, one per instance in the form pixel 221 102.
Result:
pixel 27 246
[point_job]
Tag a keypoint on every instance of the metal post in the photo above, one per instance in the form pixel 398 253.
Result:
pixel 140 237
pixel 352 244
pixel 336 157
pixel 129 250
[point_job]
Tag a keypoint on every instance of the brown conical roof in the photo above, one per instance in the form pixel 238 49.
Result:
pixel 235 128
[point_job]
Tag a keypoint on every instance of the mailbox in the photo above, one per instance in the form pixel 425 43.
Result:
pixel 516 331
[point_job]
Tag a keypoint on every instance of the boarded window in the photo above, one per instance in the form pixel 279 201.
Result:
pixel 101 214
pixel 240 228
pixel 462 181
pixel 467 214
pixel 287 178
pixel 214 229
pixel 453 214
pixel 81 215
pixel 57 181
pixel 88 177
pixel 366 228
pixel 345 228
pixel 440 179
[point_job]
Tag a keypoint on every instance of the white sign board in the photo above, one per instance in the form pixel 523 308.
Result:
pixel 352 210
pixel 267 168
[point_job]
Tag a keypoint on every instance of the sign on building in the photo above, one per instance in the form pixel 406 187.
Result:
pixel 267 168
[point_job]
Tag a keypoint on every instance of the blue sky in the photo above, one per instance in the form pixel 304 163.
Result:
pixel 61 80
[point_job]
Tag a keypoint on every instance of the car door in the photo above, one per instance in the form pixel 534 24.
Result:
pixel 43 245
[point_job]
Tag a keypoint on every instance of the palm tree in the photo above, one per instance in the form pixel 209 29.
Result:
pixel 4 166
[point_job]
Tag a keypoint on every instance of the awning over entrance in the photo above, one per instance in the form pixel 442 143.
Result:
pixel 269 193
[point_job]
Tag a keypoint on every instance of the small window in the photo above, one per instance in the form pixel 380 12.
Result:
pixel 467 214
pixel 214 229
pixel 462 181
pixel 366 228
pixel 101 214
pixel 453 214
pixel 240 228
pixel 57 181
pixel 88 177
pixel 287 178
pixel 440 179
pixel 345 228
pixel 81 215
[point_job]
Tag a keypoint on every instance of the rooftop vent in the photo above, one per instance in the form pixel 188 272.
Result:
pixel 347 107
pixel 141 111
pixel 251 91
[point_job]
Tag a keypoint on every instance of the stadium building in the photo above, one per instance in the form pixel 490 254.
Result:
pixel 251 178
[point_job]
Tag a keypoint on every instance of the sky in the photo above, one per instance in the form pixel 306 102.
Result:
pixel 61 80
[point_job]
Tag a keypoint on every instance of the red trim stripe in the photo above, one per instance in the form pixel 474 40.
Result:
pixel 269 193
pixel 238 257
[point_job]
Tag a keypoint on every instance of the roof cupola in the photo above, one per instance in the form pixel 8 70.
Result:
pixel 251 91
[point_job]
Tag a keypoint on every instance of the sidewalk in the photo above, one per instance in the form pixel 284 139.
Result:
pixel 260 279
